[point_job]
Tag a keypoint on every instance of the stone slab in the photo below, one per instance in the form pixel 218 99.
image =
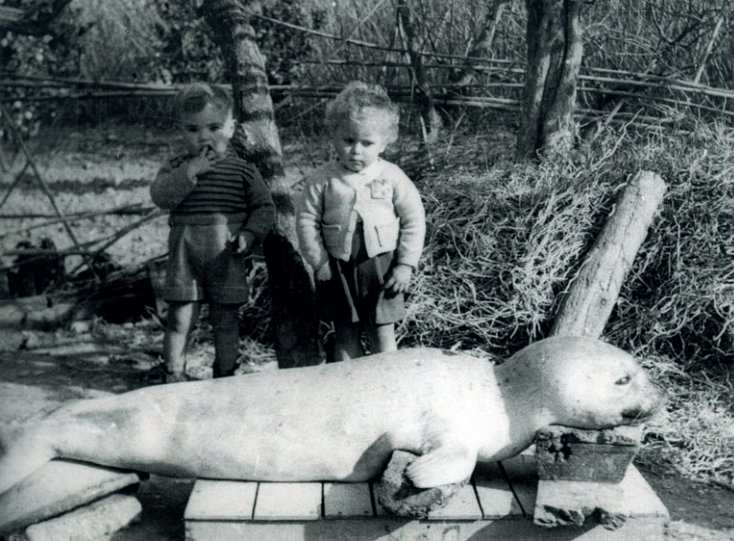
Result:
pixel 95 522
pixel 57 487
pixel 397 528
pixel 288 501
pixel 221 500
pixel 562 503
pixel 347 500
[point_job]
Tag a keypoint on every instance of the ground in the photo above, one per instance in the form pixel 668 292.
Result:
pixel 68 366
pixel 101 168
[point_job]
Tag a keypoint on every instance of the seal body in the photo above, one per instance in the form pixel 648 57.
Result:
pixel 342 421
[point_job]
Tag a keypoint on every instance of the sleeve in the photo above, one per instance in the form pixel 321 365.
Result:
pixel 171 185
pixel 260 206
pixel 309 210
pixel 409 208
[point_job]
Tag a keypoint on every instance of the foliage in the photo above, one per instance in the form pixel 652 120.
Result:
pixel 284 46
pixel 168 41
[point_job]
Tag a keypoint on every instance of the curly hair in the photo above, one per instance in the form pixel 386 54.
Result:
pixel 194 97
pixel 354 98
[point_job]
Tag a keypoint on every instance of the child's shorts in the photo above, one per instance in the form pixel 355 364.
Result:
pixel 202 266
pixel 355 292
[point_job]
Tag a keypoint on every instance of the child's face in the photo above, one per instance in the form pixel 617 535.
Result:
pixel 360 140
pixel 211 127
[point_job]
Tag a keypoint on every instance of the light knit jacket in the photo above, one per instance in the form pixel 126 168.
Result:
pixel 385 199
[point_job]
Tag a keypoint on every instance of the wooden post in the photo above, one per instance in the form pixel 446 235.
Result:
pixel 589 301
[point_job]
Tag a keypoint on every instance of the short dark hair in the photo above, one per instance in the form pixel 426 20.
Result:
pixel 194 97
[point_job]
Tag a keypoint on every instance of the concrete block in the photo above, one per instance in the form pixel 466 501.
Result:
pixel 574 454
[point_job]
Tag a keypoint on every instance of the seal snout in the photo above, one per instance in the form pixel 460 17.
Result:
pixel 653 400
pixel 636 416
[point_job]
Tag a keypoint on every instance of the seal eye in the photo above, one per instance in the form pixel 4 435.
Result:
pixel 623 381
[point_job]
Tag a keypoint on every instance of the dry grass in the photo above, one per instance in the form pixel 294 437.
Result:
pixel 505 240
pixel 694 435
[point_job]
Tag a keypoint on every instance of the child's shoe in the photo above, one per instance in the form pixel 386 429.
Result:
pixel 161 374
pixel 217 372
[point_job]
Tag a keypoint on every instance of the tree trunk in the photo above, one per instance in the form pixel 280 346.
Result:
pixel 555 49
pixel 431 120
pixel 256 139
pixel 593 293
pixel 483 46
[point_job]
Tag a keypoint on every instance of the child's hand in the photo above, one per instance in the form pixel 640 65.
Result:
pixel 241 243
pixel 399 279
pixel 324 272
pixel 202 162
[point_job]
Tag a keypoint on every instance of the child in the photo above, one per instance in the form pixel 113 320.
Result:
pixel 361 223
pixel 220 208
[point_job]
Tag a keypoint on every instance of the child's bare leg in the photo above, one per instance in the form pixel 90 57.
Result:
pixel 182 317
pixel 382 338
pixel 347 341
pixel 225 327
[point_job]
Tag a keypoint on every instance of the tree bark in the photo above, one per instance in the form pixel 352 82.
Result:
pixel 483 46
pixel 555 49
pixel 429 116
pixel 34 22
pixel 256 139
pixel 588 303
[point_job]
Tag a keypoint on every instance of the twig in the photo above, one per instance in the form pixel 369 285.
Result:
pixel 155 213
pixel 79 216
pixel 40 179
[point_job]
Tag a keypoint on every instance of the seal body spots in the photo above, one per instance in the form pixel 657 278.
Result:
pixel 342 421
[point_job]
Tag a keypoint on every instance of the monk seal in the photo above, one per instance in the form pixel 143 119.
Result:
pixel 342 421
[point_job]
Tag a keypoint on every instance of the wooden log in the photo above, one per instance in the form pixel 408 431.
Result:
pixel 586 307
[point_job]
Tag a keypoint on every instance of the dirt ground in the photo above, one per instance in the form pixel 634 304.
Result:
pixel 49 374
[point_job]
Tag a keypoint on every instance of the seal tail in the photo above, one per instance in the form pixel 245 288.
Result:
pixel 22 457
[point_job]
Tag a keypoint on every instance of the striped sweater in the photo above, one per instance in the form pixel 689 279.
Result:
pixel 232 190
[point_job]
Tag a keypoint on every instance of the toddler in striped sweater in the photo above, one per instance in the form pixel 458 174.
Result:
pixel 219 209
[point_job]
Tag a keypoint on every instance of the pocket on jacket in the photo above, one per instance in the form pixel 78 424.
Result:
pixel 331 234
pixel 387 235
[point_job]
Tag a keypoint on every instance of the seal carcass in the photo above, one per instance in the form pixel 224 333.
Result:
pixel 342 421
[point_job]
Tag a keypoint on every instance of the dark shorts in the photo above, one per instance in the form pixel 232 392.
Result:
pixel 354 293
pixel 202 267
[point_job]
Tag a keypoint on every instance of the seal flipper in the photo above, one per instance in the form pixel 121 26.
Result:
pixel 445 464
